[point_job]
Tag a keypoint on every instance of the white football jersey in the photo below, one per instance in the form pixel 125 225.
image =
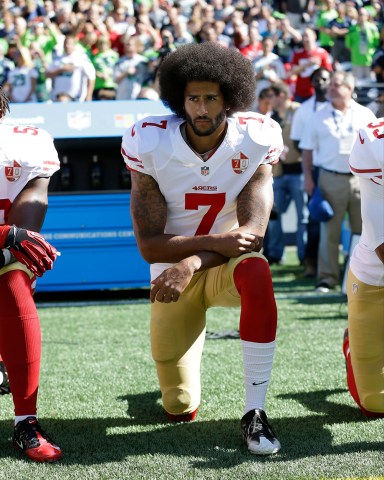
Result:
pixel 21 80
pixel 74 83
pixel 25 153
pixel 201 196
pixel 367 156
pixel 367 162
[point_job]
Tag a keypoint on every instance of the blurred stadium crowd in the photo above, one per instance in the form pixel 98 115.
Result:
pixel 81 50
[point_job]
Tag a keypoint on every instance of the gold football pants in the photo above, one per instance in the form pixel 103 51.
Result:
pixel 366 341
pixel 178 334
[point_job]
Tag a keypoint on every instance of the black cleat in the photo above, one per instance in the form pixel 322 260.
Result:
pixel 31 440
pixel 258 434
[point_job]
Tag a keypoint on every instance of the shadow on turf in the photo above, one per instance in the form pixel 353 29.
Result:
pixel 214 444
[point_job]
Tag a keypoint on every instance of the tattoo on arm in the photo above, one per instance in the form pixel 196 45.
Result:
pixel 148 207
pixel 255 201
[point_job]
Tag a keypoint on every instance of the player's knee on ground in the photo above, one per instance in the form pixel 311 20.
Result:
pixel 373 404
pixel 179 401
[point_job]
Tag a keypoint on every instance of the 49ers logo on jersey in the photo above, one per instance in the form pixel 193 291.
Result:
pixel 240 163
pixel 12 174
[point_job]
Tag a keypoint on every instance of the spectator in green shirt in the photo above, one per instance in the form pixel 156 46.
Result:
pixel 326 14
pixel 40 64
pixel 104 62
pixel 45 33
pixel 362 40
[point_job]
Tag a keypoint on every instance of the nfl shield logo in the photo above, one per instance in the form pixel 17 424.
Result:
pixel 205 171
pixel 12 174
pixel 240 163
pixel 79 120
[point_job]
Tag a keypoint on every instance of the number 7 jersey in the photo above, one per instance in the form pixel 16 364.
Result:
pixel 201 196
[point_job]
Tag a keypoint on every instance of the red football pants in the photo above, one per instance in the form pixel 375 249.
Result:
pixel 20 339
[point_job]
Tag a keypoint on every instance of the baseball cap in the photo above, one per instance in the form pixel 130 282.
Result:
pixel 319 208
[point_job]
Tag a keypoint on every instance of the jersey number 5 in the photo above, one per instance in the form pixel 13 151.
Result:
pixel 30 130
pixel 376 131
pixel 215 201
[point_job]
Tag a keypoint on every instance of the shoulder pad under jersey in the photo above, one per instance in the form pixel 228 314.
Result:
pixel 367 156
pixel 260 128
pixel 32 147
pixel 145 135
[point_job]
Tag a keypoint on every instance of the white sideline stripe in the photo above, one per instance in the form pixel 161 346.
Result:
pixel 90 303
pixel 314 295
pixel 143 301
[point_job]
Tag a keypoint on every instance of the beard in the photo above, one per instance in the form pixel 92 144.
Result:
pixel 216 122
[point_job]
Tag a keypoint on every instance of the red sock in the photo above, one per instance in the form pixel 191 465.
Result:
pixel 20 339
pixel 258 318
pixel 351 379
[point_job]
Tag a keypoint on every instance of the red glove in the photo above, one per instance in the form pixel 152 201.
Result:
pixel 29 248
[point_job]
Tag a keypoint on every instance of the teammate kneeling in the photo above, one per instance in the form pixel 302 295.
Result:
pixel 200 202
pixel 27 160
pixel 364 339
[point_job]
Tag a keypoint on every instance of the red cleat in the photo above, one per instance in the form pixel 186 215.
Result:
pixel 186 417
pixel 31 440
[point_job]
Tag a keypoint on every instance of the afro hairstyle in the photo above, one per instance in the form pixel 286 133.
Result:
pixel 4 104
pixel 207 62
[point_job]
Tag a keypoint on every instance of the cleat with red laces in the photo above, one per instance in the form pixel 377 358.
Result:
pixel 31 440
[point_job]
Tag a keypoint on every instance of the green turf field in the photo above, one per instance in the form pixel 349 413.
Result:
pixel 99 398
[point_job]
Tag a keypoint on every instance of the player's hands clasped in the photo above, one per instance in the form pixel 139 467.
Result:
pixel 171 283
pixel 235 243
pixel 29 248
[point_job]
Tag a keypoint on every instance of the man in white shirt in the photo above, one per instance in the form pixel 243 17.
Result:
pixel 130 72
pixel 331 136
pixel 303 116
pixel 364 338
pixel 268 67
pixel 320 79
pixel 72 73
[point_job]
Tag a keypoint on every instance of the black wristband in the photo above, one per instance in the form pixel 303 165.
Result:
pixel 11 237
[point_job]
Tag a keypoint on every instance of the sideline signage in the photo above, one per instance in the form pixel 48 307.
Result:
pixel 94 234
pixel 84 119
